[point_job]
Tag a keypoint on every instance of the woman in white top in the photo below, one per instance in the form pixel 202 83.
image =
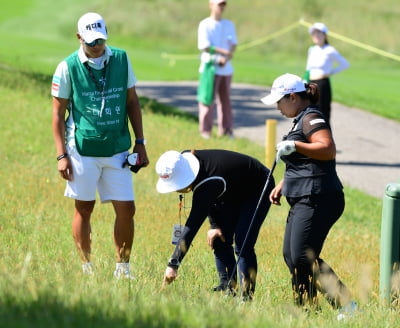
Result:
pixel 323 60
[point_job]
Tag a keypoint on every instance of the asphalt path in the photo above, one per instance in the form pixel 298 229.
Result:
pixel 368 151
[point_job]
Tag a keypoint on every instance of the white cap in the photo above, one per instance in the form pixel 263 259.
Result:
pixel 176 171
pixel 283 85
pixel 91 26
pixel 318 26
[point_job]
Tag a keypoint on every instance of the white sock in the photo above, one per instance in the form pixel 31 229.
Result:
pixel 87 268
pixel 122 266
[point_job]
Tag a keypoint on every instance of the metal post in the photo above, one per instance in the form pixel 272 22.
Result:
pixel 390 241
pixel 270 142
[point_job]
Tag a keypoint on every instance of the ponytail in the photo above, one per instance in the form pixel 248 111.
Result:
pixel 311 93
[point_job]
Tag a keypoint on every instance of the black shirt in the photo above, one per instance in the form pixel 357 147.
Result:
pixel 304 175
pixel 224 176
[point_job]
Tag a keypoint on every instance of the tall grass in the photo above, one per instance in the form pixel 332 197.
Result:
pixel 41 284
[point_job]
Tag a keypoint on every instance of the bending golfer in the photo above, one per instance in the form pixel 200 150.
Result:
pixel 96 86
pixel 312 189
pixel 226 187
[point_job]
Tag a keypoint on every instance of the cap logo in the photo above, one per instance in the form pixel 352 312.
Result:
pixel 95 26
pixel 165 176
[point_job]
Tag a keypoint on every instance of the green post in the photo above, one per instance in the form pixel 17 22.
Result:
pixel 390 240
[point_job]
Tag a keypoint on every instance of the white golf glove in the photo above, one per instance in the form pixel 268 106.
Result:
pixel 285 148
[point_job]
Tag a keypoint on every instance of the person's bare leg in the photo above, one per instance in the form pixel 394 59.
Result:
pixel 123 229
pixel 81 229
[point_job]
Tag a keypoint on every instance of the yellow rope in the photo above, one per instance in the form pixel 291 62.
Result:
pixel 357 43
pixel 267 38
pixel 241 47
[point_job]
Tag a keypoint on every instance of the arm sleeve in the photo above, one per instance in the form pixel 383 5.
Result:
pixel 308 64
pixel 61 83
pixel 203 41
pixel 312 123
pixel 233 36
pixel 203 198
pixel 340 61
pixel 131 75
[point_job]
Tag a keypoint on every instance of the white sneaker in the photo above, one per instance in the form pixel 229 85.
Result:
pixel 122 270
pixel 347 311
pixel 87 269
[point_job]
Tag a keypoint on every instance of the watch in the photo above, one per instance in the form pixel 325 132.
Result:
pixel 173 263
pixel 140 141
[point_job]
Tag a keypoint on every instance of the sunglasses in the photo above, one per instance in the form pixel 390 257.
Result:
pixel 100 42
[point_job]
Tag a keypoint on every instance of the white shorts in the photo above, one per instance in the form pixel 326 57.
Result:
pixel 104 174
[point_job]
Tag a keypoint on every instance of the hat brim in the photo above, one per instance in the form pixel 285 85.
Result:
pixel 183 179
pixel 313 28
pixel 94 36
pixel 271 99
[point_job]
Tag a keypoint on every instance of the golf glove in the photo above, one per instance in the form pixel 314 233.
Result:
pixel 285 148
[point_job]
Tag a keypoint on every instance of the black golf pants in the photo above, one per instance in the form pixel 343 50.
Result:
pixel 308 223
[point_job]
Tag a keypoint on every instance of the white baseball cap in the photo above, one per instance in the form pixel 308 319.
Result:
pixel 91 26
pixel 318 26
pixel 176 170
pixel 283 85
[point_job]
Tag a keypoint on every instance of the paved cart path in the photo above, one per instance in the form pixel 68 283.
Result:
pixel 368 146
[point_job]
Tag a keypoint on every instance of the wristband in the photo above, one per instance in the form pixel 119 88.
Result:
pixel 173 263
pixel 140 141
pixel 62 156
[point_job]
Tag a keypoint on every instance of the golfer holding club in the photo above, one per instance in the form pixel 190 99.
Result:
pixel 312 189
pixel 96 86
pixel 229 188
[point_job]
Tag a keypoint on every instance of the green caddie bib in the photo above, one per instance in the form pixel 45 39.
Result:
pixel 98 105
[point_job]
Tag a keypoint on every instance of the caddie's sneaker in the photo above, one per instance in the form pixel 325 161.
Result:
pixel 87 268
pixel 122 271
pixel 347 311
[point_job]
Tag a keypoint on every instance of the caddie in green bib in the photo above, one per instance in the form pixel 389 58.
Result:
pixel 98 105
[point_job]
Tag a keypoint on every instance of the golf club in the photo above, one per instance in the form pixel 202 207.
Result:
pixel 251 223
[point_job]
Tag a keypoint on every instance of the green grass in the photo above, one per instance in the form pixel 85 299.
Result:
pixel 41 284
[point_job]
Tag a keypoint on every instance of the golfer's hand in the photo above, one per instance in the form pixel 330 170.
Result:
pixel 169 276
pixel 276 193
pixel 64 166
pixel 285 148
pixel 212 234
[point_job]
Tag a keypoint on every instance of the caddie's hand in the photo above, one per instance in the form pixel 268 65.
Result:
pixel 64 166
pixel 141 150
pixel 285 148
pixel 212 234
pixel 170 275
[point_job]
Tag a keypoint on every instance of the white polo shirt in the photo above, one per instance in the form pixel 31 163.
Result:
pixel 221 34
pixel 325 60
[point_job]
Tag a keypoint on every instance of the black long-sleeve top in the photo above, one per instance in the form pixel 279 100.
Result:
pixel 224 176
